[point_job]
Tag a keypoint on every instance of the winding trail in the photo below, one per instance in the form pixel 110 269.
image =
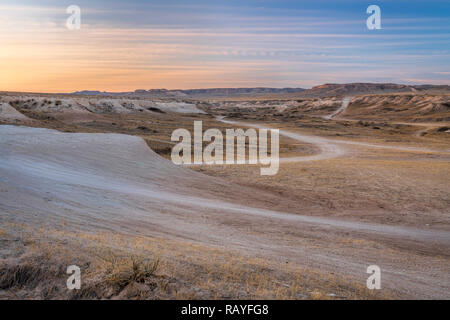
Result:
pixel 341 109
pixel 329 148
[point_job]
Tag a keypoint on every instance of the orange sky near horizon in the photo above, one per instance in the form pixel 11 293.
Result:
pixel 49 64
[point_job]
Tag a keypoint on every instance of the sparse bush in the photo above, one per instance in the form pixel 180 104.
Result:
pixel 24 275
pixel 120 272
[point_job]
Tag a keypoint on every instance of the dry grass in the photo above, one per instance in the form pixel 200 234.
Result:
pixel 129 267
pixel 122 272
pixel 19 276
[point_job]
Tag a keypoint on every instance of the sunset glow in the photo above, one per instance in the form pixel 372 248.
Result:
pixel 176 45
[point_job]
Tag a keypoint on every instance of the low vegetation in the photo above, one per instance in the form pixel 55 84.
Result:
pixel 117 266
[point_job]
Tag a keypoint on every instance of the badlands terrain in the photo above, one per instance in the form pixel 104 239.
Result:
pixel 86 179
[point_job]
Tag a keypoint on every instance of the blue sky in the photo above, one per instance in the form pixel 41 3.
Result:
pixel 200 44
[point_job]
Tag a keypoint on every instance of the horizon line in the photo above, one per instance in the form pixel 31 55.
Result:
pixel 246 87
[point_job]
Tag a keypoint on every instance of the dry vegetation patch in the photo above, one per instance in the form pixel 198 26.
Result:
pixel 120 266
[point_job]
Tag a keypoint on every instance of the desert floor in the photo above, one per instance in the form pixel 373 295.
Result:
pixel 98 190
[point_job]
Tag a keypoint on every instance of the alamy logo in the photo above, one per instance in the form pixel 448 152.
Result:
pixel 374 21
pixel 374 281
pixel 74 281
pixel 74 21
pixel 213 153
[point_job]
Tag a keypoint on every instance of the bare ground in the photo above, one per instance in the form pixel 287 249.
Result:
pixel 223 232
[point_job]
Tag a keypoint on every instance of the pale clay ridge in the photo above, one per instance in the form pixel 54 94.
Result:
pixel 100 105
pixel 32 153
pixel 8 113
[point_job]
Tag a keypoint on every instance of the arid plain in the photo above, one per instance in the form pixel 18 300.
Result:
pixel 363 180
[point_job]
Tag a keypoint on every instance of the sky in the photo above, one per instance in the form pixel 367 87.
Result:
pixel 129 45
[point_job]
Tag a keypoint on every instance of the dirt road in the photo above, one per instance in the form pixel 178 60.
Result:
pixel 329 148
pixel 341 109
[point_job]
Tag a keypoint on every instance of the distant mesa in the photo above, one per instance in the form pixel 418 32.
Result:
pixel 87 92
pixel 335 89
pixel 197 92
pixel 329 89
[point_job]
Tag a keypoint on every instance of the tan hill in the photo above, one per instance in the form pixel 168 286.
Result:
pixel 368 88
pixel 399 107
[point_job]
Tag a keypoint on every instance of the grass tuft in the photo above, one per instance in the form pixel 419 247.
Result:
pixel 121 272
